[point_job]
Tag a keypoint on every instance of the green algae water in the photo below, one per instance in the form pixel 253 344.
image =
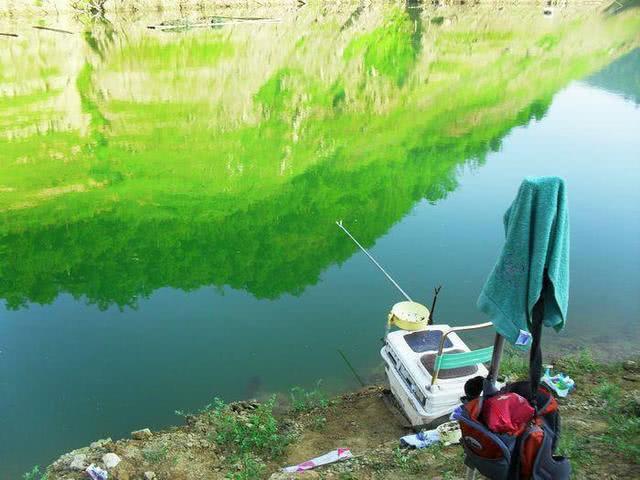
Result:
pixel 168 198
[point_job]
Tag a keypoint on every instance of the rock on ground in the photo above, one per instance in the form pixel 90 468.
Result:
pixel 78 462
pixel 110 460
pixel 143 434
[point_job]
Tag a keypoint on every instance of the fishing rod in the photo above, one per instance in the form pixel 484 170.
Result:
pixel 395 284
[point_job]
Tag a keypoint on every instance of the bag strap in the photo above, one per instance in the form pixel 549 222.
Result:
pixel 514 463
pixel 535 354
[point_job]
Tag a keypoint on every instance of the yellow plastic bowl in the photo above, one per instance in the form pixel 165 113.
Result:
pixel 409 316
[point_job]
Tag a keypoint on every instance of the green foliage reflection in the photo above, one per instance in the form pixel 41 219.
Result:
pixel 231 169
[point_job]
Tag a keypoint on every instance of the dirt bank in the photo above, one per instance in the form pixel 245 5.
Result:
pixel 245 440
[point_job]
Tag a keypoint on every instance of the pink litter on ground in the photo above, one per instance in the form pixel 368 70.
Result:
pixel 330 457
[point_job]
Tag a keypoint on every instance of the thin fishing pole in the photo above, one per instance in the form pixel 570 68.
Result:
pixel 353 370
pixel 339 223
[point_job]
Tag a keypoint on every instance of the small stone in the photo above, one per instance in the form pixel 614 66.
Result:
pixel 110 460
pixel 102 443
pixel 149 476
pixel 78 462
pixel 631 366
pixel 144 434
pixel 631 377
pixel 243 405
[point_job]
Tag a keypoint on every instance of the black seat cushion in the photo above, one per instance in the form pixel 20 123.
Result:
pixel 425 340
pixel 428 360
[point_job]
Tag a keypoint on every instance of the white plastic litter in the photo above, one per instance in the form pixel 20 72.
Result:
pixel 447 433
pixel 420 439
pixel 561 384
pixel 330 457
pixel 450 433
pixel 96 473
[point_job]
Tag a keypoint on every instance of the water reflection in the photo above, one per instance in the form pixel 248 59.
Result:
pixel 134 160
pixel 621 77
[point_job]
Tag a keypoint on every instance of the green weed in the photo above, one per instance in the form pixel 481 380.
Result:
pixel 35 474
pixel 155 454
pixel 319 422
pixel 347 476
pixel 247 467
pixel 572 445
pixel 623 422
pixel 577 363
pixel 610 393
pixel 514 364
pixel 305 400
pixel 255 431
pixel 623 434
pixel 405 461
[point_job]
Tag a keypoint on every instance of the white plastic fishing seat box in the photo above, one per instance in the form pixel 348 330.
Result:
pixel 408 361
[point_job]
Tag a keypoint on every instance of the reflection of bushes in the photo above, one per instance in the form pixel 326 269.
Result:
pixel 173 195
pixel 275 244
pixel 269 249
pixel 275 92
pixel 390 49
pixel 89 6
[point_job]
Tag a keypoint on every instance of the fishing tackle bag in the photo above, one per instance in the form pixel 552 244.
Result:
pixel 528 454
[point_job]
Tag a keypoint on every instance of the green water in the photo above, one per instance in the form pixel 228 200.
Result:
pixel 168 199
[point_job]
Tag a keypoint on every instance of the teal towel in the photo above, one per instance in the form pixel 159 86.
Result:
pixel 537 243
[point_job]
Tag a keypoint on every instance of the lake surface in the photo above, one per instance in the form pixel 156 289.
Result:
pixel 168 198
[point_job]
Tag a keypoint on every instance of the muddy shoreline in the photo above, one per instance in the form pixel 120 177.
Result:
pixel 600 426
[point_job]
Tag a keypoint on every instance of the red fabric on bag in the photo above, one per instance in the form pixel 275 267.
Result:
pixel 507 413
pixel 479 443
pixel 530 450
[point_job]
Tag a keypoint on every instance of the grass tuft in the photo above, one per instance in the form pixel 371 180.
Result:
pixel 306 400
pixel 155 453
pixel 515 364
pixel 254 431
pixel 35 474
pixel 405 461
pixel 247 467
pixel 577 363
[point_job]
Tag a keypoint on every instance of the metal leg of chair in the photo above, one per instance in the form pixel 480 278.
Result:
pixel 471 473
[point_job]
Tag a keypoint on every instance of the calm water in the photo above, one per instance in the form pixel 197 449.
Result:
pixel 168 199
